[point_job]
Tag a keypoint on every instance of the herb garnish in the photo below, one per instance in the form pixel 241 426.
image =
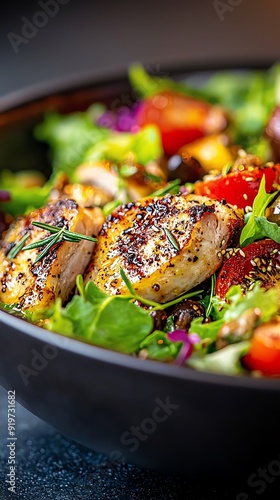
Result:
pixel 212 294
pixel 58 234
pixel 171 188
pixel 171 238
pixel 17 248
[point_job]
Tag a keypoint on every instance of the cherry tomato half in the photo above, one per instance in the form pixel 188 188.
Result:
pixel 181 119
pixel 240 187
pixel 259 261
pixel 264 353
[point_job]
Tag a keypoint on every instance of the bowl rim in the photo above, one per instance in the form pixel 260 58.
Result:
pixel 88 79
pixel 127 361
pixel 64 85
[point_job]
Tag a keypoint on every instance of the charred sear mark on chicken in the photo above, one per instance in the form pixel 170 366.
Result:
pixel 174 241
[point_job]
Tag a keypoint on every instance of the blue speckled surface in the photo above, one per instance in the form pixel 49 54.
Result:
pixel 50 466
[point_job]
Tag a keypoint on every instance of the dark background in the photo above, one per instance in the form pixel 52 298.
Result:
pixel 102 38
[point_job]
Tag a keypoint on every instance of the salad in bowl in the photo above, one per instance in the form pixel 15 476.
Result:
pixel 158 232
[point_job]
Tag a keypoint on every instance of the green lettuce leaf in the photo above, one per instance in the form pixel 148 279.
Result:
pixel 145 146
pixel 265 300
pixel 146 85
pixel 69 137
pixel 206 330
pixel 227 361
pixel 23 200
pixel 235 305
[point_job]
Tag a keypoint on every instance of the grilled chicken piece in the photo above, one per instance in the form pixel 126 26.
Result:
pixel 139 184
pixel 85 196
pixel 166 246
pixel 31 285
pixel 101 175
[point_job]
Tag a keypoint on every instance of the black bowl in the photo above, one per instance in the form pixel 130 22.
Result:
pixel 155 415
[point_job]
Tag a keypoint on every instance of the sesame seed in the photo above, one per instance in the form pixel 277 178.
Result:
pixel 242 253
pixel 248 209
pixel 242 153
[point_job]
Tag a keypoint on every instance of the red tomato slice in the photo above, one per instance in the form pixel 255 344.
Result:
pixel 264 353
pixel 240 187
pixel 180 119
pixel 259 261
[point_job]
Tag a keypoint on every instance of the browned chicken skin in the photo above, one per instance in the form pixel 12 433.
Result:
pixel 38 285
pixel 166 246
pixel 141 182
pixel 84 195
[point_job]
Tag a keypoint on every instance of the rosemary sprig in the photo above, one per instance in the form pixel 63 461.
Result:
pixel 17 248
pixel 58 238
pixel 69 234
pixel 171 238
pixel 171 188
pixel 59 234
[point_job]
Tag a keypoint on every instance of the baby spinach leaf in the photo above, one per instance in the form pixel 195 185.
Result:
pixel 159 347
pixel 268 229
pixel 251 230
pixel 120 325
pixel 113 322
pixel 93 294
pixel 58 321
